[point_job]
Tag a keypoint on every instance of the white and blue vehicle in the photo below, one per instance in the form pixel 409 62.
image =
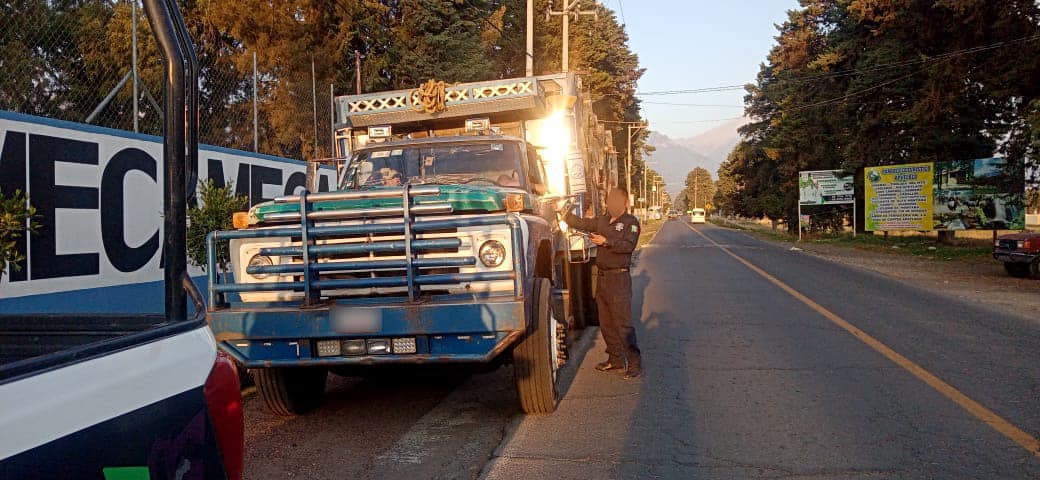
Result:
pixel 119 396
pixel 441 246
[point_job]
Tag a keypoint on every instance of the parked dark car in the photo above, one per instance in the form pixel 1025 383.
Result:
pixel 1020 253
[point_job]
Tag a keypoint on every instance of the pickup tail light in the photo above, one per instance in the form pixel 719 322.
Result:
pixel 224 400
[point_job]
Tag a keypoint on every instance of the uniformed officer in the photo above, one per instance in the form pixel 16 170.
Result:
pixel 616 234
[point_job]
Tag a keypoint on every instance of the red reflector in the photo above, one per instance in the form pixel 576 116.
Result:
pixel 224 400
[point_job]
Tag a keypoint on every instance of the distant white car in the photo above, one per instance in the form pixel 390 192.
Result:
pixel 697 216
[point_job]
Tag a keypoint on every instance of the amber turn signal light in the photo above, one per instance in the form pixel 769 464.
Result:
pixel 240 220
pixel 514 202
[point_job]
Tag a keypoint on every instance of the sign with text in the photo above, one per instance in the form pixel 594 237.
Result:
pixel 898 197
pixel 98 197
pixel 825 187
pixel 978 194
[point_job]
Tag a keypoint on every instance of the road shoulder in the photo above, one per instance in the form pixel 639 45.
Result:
pixel 979 281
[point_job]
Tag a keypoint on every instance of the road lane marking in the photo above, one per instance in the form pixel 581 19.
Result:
pixel 1015 434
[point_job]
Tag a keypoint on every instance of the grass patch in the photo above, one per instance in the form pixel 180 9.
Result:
pixel 650 228
pixel 922 246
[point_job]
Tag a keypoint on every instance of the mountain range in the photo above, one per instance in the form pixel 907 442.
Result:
pixel 675 157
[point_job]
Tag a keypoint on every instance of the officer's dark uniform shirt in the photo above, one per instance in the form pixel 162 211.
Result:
pixel 622 235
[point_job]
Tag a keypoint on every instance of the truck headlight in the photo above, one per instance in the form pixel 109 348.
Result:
pixel 492 253
pixel 259 261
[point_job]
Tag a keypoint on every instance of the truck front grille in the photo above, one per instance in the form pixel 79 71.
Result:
pixel 380 256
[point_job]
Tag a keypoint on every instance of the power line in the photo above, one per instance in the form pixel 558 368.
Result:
pixel 690 104
pixel 843 73
pixel 714 120
pixel 488 23
pixel 621 9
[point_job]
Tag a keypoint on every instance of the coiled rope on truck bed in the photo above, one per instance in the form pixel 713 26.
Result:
pixel 430 97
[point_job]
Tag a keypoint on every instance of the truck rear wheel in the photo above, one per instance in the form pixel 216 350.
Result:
pixel 291 391
pixel 535 357
pixel 1017 270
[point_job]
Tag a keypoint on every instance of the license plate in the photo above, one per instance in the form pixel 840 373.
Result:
pixel 356 320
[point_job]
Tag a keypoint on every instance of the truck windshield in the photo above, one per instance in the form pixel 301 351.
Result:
pixel 485 163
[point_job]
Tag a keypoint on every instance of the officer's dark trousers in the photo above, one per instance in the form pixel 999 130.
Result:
pixel 614 300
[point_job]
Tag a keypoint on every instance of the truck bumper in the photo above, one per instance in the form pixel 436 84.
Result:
pixel 444 331
pixel 1014 257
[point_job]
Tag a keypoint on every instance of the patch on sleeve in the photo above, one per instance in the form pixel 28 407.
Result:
pixel 635 228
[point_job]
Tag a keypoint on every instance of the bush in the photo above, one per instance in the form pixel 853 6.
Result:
pixel 218 206
pixel 16 220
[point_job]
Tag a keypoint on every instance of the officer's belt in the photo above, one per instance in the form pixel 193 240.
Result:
pixel 604 271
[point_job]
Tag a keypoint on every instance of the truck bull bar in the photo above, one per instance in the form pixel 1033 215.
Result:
pixel 310 269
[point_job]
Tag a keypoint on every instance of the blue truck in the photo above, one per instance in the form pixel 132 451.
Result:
pixel 442 244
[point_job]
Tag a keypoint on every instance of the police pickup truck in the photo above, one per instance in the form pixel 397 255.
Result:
pixel 441 246
pixel 129 397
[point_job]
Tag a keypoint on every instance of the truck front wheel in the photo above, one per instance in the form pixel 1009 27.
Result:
pixel 1017 270
pixel 291 391
pixel 535 357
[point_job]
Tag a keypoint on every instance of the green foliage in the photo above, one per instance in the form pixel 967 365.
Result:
pixel 218 204
pixel 76 52
pixel 870 82
pixel 16 220
pixel 700 188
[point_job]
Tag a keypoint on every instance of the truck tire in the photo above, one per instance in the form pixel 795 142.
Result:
pixel 291 391
pixel 1034 268
pixel 1017 270
pixel 534 360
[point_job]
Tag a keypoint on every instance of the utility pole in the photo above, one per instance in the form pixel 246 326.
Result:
pixel 256 138
pixel 570 7
pixel 133 38
pixel 314 105
pixel 628 161
pixel 357 70
pixel 645 172
pixel 530 39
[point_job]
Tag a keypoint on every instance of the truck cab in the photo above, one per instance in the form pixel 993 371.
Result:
pixel 442 245
pixel 1019 252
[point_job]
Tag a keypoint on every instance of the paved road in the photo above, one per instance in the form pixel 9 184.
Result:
pixel 752 378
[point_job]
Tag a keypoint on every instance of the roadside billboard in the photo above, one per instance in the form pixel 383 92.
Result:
pixel 898 197
pixel 825 187
pixel 979 194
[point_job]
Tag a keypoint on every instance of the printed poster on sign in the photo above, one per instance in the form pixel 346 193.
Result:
pixel 898 197
pixel 980 194
pixel 825 187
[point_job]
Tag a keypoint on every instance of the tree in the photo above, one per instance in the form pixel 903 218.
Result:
pixel 215 212
pixel 76 52
pixel 874 82
pixel 700 188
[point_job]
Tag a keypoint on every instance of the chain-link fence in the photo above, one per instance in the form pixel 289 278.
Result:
pixel 97 62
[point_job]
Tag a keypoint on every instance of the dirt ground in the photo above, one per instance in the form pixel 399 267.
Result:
pixel 979 280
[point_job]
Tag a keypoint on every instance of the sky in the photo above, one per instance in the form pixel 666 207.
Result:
pixel 689 44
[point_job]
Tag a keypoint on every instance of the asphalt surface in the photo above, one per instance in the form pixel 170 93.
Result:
pixel 743 380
